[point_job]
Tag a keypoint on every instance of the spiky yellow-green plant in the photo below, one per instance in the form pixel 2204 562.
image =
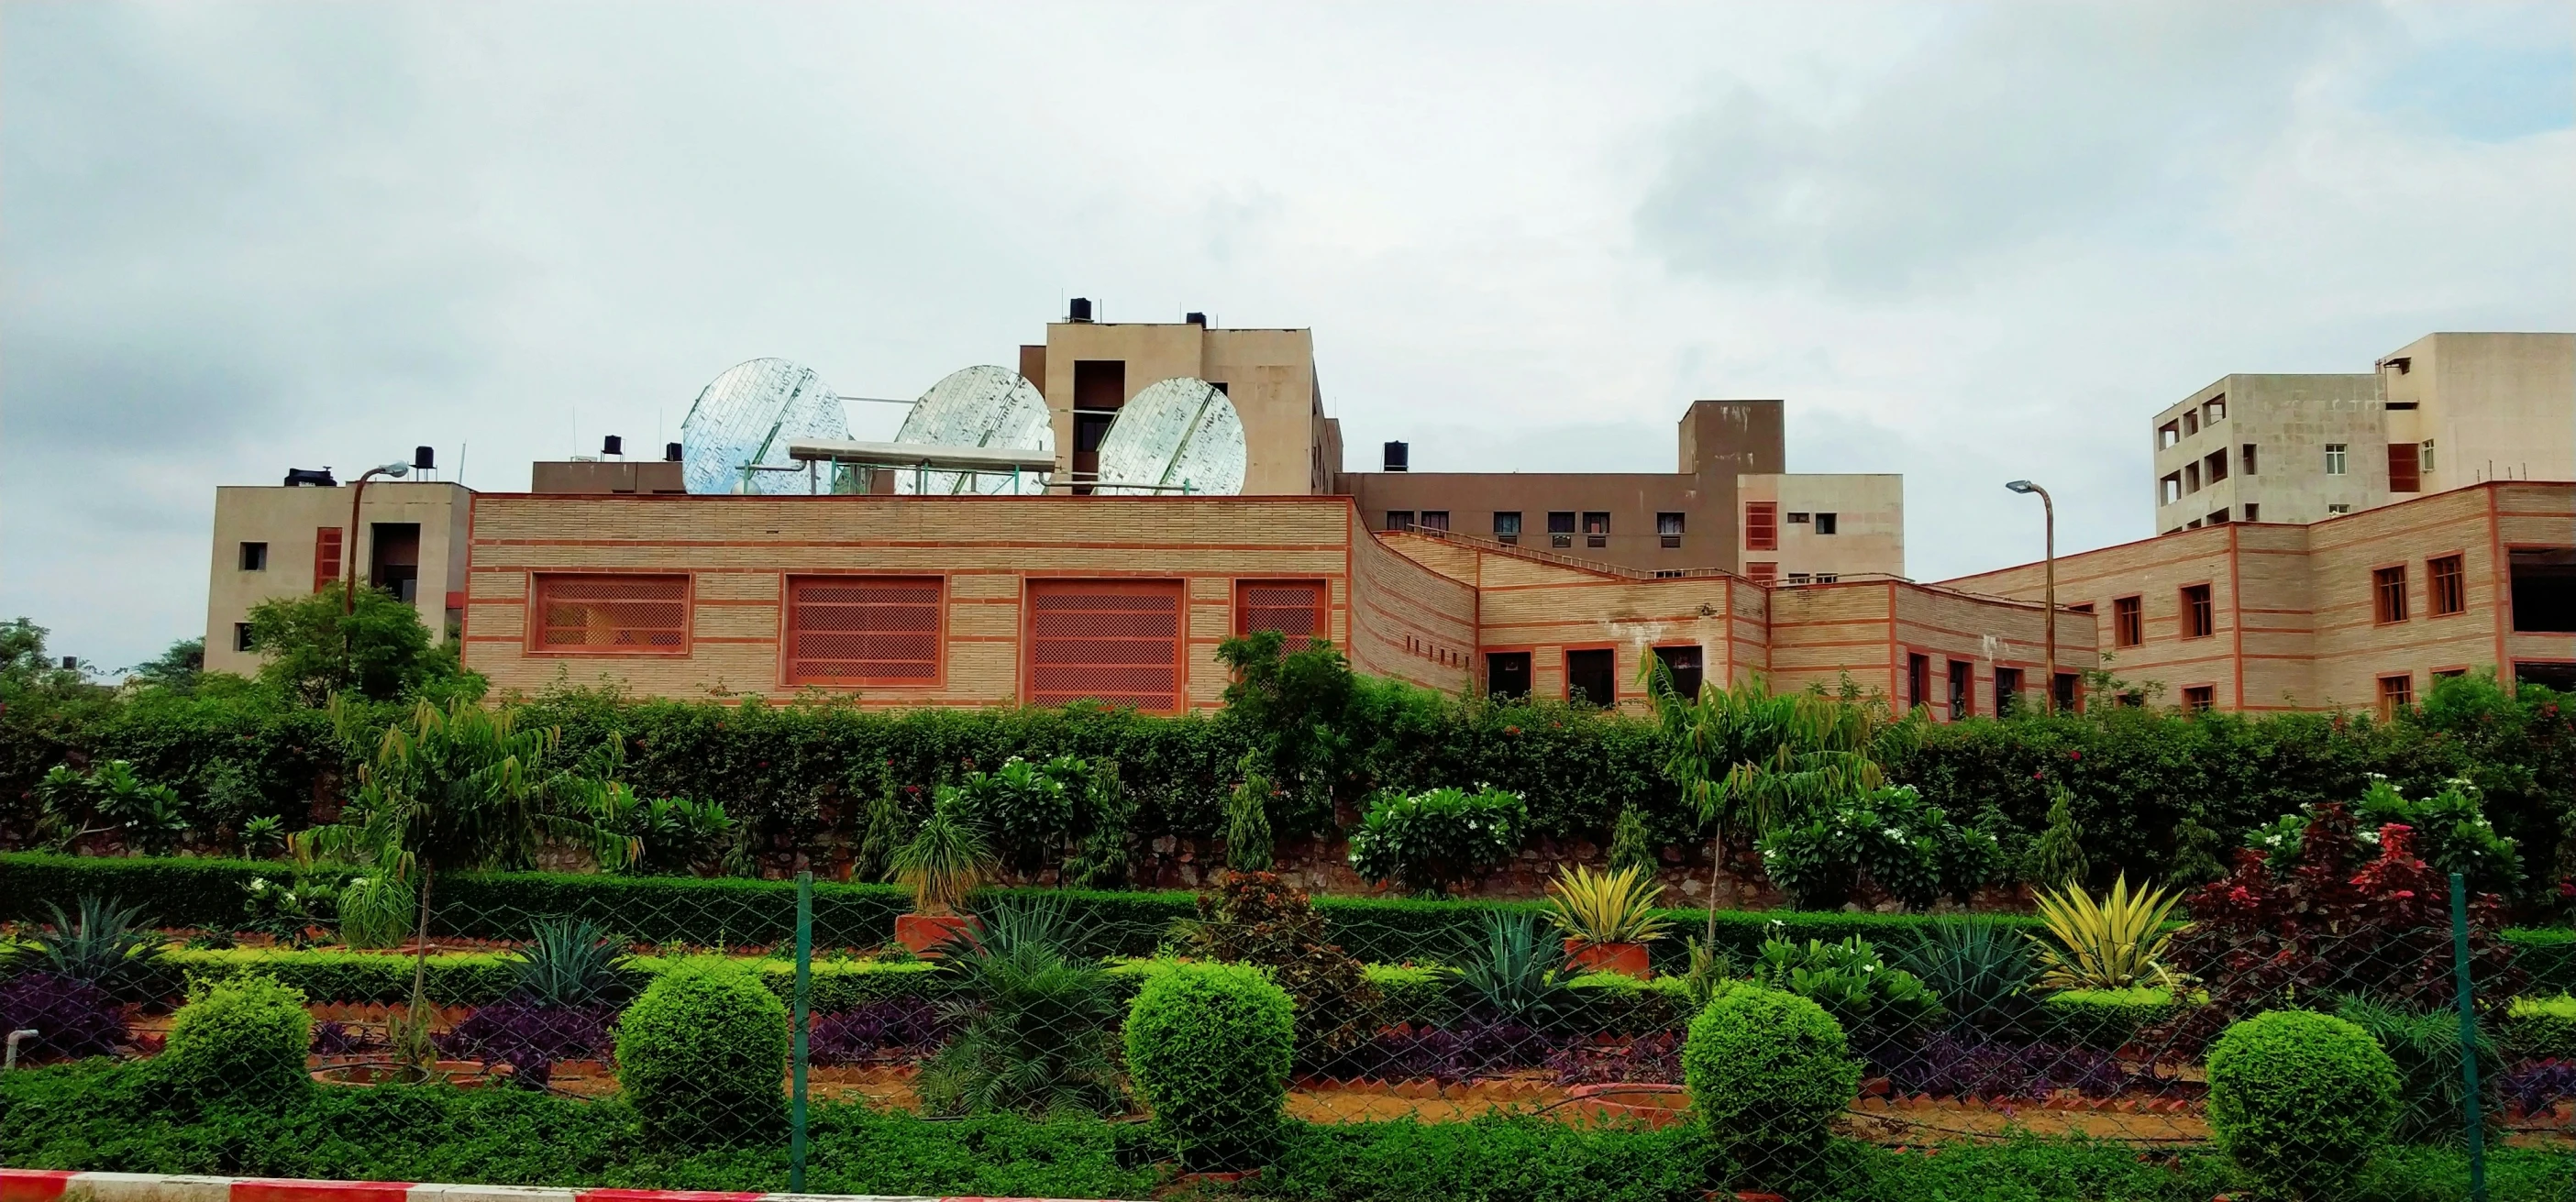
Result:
pixel 945 859
pixel 2116 943
pixel 1605 907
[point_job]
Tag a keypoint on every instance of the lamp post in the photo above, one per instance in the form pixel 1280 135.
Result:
pixel 349 579
pixel 2048 510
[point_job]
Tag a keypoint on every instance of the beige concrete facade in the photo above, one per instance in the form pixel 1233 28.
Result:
pixel 1269 375
pixel 289 526
pixel 1829 526
pixel 2486 406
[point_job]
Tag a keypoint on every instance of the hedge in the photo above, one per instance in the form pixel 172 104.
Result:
pixel 2107 1019
pixel 2541 1028
pixel 480 978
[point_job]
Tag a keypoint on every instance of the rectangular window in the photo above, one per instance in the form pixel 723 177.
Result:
pixel 2199 697
pixel 1684 665
pixel 1292 607
pixel 2199 619
pixel 2007 691
pixel 241 636
pixel 1596 529
pixel 2215 411
pixel 1435 521
pixel 1668 527
pixel 1962 688
pixel 2191 477
pixel 2253 512
pixel 1762 571
pixel 1399 519
pixel 2544 589
pixel 1507 526
pixel 1827 523
pixel 2447 583
pixel 2404 473
pixel 2218 518
pixel 2081 607
pixel 1799 577
pixel 2066 682
pixel 2190 422
pixel 1560 528
pixel 2424 457
pixel 1795 518
pixel 2169 489
pixel 1592 676
pixel 2128 621
pixel 2168 434
pixel 1507 674
pixel 609 615
pixel 855 630
pixel 1761 526
pixel 326 556
pixel 2395 693
pixel 2214 467
pixel 2245 459
pixel 1827 577
pixel 2334 458
pixel 2338 509
pixel 254 557
pixel 1918 681
pixel 2388 593
pixel 1113 641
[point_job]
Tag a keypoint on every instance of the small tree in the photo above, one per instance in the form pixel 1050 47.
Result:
pixel 379 648
pixel 175 669
pixel 1247 821
pixel 1295 703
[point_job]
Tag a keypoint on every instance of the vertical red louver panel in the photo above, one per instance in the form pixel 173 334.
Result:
pixel 848 630
pixel 1113 641
pixel 326 556
pixel 1761 525
pixel 1292 607
pixel 610 615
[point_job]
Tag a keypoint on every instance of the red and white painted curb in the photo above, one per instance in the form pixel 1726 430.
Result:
pixel 52 1185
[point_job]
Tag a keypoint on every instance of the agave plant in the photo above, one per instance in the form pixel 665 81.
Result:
pixel 1980 970
pixel 569 962
pixel 945 859
pixel 2118 942
pixel 1605 907
pixel 1515 973
pixel 105 945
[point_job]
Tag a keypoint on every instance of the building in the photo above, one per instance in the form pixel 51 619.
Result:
pixel 2445 411
pixel 284 541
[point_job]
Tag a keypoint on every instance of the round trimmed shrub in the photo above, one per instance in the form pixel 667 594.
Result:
pixel 1208 1045
pixel 1767 1071
pixel 702 1054
pixel 2300 1099
pixel 242 1038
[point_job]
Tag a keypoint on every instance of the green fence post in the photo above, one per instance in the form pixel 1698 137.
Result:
pixel 804 1015
pixel 2468 1038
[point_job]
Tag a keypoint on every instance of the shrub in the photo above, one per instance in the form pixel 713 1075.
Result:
pixel 243 1038
pixel 2425 1047
pixel 1429 841
pixel 1035 1023
pixel 1981 971
pixel 1768 1072
pixel 569 962
pixel 701 1053
pixel 1876 1005
pixel 106 945
pixel 2115 943
pixel 1908 848
pixel 2105 1019
pixel 1256 918
pixel 1209 1046
pixel 71 1018
pixel 2300 1100
pixel 2542 1028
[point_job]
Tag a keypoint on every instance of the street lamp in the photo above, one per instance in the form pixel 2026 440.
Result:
pixel 349 579
pixel 2048 508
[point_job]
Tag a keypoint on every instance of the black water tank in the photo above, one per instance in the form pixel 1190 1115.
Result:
pixel 317 477
pixel 1197 319
pixel 424 458
pixel 1398 457
pixel 1080 310
pixel 671 452
pixel 612 445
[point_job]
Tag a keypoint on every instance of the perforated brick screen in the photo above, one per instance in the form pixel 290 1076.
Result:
pixel 1114 641
pixel 630 614
pixel 863 629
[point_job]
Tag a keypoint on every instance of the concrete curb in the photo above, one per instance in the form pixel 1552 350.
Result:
pixel 54 1185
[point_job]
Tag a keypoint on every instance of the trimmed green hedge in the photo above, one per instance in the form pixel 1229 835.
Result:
pixel 2107 1019
pixel 479 978
pixel 2541 1028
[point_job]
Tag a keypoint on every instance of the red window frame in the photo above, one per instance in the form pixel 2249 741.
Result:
pixel 2199 611
pixel 2128 621
pixel 547 599
pixel 2446 585
pixel 1251 603
pixel 326 556
pixel 2388 594
pixel 1056 638
pixel 899 625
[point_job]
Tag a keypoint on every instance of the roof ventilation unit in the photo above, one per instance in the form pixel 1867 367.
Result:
pixel 317 477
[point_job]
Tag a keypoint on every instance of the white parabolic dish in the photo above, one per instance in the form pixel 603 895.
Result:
pixel 746 417
pixel 1178 435
pixel 981 406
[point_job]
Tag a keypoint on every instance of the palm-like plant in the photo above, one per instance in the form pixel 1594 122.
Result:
pixel 1034 1022
pixel 2118 942
pixel 945 859
pixel 101 944
pixel 1605 907
pixel 1748 760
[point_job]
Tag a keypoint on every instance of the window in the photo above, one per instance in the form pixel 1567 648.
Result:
pixel 1761 526
pixel 610 615
pixel 1507 674
pixel 2199 698
pixel 254 557
pixel 2128 621
pixel 1596 529
pixel 2446 585
pixel 1962 688
pixel 2007 691
pixel 1507 527
pixel 1435 521
pixel 2388 593
pixel 2169 489
pixel 1668 529
pixel 2198 618
pixel 1825 523
pixel 1795 518
pixel 1827 577
pixel 2214 467
pixel 2424 457
pixel 2083 607
pixel 393 558
pixel 2217 518
pixel 2544 589
pixel 241 636
pixel 1591 676
pixel 326 556
pixel 2442 674
pixel 2253 512
pixel 1292 607
pixel 2215 411
pixel 2334 459
pixel 2556 676
pixel 2338 509
pixel 2191 477
pixel 2245 459
pixel 851 630
pixel 2190 422
pixel 1114 641
pixel 2168 434
pixel 2066 682
pixel 1399 519
pixel 2395 693
pixel 1799 577
pixel 1684 665
pixel 1918 681
pixel 1761 571
pixel 1560 528
pixel 2405 473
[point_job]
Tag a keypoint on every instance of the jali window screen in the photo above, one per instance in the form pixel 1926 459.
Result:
pixel 1292 607
pixel 1113 641
pixel 612 615
pixel 863 630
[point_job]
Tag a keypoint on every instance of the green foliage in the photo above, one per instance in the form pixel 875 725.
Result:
pixel 1517 972
pixel 313 651
pixel 889 826
pixel 1209 1048
pixel 1296 708
pixel 1767 1071
pixel 2117 942
pixel 569 962
pixel 2542 1028
pixel 2300 1100
pixel 289 911
pixel 1980 969
pixel 1099 859
pixel 2452 833
pixel 1428 841
pixel 1035 1023
pixel 671 835
pixel 702 1053
pixel 108 799
pixel 2103 1019
pixel 176 668
pixel 1889 838
pixel 1257 919
pixel 2057 858
pixel 1854 984
pixel 1617 906
pixel 102 943
pixel 1630 845
pixel 242 1038
pixel 1025 809
pixel 1247 822
pixel 945 858
pixel 2425 1048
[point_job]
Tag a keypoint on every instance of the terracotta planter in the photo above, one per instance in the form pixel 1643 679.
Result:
pixel 922 932
pixel 1626 959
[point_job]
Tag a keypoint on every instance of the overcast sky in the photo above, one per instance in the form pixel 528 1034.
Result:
pixel 1966 243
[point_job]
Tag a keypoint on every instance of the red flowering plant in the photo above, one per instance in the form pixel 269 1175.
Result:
pixel 2350 919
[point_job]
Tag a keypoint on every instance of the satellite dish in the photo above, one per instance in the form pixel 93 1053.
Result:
pixel 1177 435
pixel 741 423
pixel 983 406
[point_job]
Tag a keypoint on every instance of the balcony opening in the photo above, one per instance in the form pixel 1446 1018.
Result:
pixel 1668 529
pixel 2169 489
pixel 2214 467
pixel 2168 434
pixel 2190 423
pixel 2544 589
pixel 393 558
pixel 2245 459
pixel 1507 675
